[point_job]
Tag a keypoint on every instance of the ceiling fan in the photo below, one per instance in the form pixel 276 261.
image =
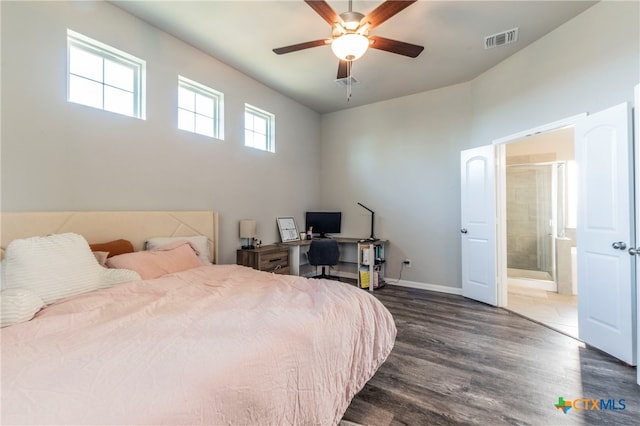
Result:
pixel 350 37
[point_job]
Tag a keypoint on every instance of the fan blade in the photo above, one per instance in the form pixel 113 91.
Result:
pixel 343 70
pixel 394 46
pixel 301 46
pixel 385 11
pixel 323 9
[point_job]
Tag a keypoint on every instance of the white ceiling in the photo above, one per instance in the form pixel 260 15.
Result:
pixel 242 34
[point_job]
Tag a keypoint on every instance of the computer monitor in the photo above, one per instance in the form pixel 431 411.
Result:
pixel 323 223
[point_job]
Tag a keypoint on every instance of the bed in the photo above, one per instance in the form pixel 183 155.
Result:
pixel 211 344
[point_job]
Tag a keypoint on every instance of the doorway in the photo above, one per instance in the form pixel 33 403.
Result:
pixel 540 201
pixel 606 234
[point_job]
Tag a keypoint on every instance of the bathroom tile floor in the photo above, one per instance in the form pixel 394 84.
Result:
pixel 557 311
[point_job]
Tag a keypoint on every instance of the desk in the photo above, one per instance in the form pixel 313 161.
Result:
pixel 350 258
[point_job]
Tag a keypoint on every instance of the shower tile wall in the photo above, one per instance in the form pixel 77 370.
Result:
pixel 529 213
pixel 522 219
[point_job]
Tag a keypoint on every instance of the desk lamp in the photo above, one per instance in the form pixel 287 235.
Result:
pixel 372 237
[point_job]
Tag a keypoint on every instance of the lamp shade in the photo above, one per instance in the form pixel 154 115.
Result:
pixel 248 228
pixel 350 46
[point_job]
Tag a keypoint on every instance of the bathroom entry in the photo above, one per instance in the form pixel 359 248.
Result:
pixel 540 211
pixel 606 229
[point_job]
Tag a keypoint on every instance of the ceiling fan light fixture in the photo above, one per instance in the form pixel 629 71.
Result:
pixel 351 20
pixel 350 46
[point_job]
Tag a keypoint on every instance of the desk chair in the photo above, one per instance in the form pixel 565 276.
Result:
pixel 324 253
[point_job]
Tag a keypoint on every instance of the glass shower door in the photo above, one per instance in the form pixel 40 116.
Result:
pixel 530 220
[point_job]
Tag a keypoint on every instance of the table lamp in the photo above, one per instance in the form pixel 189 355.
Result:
pixel 248 231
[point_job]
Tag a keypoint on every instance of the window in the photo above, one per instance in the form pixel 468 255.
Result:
pixel 259 128
pixel 103 77
pixel 200 109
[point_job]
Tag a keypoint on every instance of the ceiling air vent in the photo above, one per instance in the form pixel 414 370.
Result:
pixel 505 37
pixel 344 82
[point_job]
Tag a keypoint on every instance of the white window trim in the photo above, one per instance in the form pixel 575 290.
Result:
pixel 218 101
pixel 83 42
pixel 271 125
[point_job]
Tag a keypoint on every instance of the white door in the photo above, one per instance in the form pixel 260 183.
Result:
pixel 478 224
pixel 606 271
pixel 636 148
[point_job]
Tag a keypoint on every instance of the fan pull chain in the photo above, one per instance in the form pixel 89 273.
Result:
pixel 349 80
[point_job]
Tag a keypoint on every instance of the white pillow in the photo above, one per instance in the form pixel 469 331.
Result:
pixel 111 277
pixel 200 243
pixel 18 305
pixel 56 267
pixel 2 268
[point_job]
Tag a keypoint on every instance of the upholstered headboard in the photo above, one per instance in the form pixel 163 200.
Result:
pixel 97 227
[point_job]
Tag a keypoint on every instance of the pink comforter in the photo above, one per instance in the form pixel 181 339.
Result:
pixel 213 345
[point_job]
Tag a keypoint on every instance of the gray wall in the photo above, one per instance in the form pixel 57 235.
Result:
pixel 402 157
pixel 586 65
pixel 62 156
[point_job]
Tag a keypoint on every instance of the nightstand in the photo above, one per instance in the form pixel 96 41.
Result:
pixel 271 258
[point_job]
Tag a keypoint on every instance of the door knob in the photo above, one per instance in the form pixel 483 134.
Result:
pixel 464 230
pixel 634 251
pixel 619 245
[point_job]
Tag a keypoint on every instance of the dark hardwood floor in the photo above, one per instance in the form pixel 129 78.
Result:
pixel 457 361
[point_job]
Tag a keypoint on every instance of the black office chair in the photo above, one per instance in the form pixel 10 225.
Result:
pixel 324 253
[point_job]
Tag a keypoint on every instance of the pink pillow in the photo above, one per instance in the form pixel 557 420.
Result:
pixel 175 257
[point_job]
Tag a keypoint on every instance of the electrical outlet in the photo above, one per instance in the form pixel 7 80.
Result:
pixel 407 263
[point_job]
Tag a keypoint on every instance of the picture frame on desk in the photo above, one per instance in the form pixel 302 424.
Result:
pixel 288 229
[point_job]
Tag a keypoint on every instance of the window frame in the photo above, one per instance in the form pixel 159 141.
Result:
pixel 270 127
pixel 218 106
pixel 106 52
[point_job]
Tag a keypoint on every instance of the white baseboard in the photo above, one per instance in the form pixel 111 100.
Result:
pixel 427 286
pixel 405 283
